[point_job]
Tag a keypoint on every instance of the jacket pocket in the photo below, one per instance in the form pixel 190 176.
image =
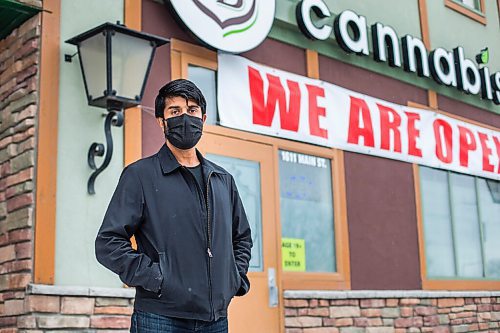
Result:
pixel 232 287
pixel 181 290
pixel 163 269
pixel 237 277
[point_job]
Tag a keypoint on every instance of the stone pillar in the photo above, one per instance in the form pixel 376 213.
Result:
pixel 19 82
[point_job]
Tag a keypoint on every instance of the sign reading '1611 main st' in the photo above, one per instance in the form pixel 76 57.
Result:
pixel 229 25
pixel 260 99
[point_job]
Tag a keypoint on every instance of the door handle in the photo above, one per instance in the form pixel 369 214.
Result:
pixel 273 288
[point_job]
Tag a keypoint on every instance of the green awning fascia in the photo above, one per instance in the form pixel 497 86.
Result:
pixel 13 14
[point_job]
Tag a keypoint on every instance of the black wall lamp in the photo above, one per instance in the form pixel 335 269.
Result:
pixel 115 63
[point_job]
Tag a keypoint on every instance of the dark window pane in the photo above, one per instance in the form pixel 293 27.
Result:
pixel 204 78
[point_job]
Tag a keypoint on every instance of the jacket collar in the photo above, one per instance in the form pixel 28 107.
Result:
pixel 168 162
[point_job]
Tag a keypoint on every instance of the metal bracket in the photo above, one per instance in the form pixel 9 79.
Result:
pixel 115 118
pixel 69 57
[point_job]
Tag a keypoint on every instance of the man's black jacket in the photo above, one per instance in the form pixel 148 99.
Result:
pixel 192 251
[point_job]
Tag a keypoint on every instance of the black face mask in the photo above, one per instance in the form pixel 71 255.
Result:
pixel 183 131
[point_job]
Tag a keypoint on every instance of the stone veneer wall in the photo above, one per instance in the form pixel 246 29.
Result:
pixel 391 312
pixel 49 308
pixel 19 81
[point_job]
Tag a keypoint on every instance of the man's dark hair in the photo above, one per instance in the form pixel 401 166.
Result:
pixel 179 88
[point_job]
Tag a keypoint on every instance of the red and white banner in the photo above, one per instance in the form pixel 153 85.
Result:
pixel 260 99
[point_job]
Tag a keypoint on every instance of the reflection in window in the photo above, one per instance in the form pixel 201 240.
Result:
pixel 465 220
pixel 306 206
pixel 247 177
pixel 461 218
pixel 488 192
pixel 204 78
pixel 437 223
pixel 475 4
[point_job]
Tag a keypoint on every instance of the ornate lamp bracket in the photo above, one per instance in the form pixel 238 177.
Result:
pixel 114 118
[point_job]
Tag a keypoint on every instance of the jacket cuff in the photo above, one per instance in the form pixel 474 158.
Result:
pixel 155 279
pixel 245 286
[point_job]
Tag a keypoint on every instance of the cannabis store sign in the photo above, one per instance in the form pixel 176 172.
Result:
pixel 240 25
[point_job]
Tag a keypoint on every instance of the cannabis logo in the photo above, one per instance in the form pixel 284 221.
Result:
pixel 229 25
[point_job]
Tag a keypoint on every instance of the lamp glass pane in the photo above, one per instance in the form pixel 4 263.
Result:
pixel 130 58
pixel 472 3
pixel 93 57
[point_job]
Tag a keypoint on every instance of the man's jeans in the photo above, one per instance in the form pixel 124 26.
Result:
pixel 146 322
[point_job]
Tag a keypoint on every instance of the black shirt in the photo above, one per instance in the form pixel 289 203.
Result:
pixel 197 172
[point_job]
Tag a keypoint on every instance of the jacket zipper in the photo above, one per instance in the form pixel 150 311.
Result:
pixel 209 251
pixel 212 315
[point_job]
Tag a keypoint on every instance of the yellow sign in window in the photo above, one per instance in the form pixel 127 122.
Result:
pixel 293 253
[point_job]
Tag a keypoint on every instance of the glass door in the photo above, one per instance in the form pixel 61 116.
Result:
pixel 251 165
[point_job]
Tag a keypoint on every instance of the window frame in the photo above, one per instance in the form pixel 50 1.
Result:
pixel 317 280
pixel 44 229
pixel 472 13
pixel 445 283
pixel 184 54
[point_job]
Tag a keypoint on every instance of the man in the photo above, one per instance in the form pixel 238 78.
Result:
pixel 193 237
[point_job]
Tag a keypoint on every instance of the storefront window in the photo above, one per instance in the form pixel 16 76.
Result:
pixel 306 205
pixel 461 225
pixel 465 219
pixel 437 223
pixel 488 193
pixel 247 177
pixel 204 78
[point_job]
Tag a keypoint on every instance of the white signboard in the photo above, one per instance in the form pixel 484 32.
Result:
pixel 264 100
